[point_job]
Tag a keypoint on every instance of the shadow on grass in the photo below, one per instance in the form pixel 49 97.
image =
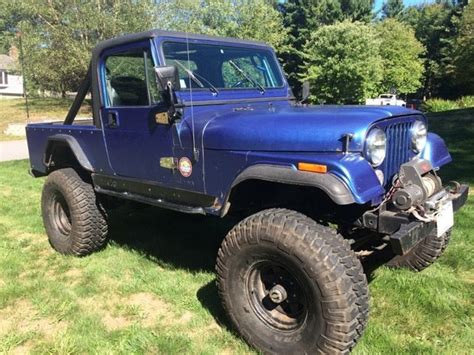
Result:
pixel 188 242
pixel 175 240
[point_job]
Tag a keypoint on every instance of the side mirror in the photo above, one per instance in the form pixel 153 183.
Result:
pixel 166 76
pixel 306 91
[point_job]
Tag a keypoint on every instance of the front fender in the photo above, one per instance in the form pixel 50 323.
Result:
pixel 436 151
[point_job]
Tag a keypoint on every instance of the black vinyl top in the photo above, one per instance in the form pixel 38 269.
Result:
pixel 135 37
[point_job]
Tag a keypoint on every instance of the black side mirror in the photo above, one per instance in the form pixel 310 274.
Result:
pixel 167 78
pixel 306 91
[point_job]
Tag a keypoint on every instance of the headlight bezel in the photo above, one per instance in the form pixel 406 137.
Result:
pixel 373 150
pixel 418 141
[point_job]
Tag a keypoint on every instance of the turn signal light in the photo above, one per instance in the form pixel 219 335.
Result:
pixel 313 168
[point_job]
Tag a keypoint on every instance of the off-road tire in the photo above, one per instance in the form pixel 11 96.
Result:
pixel 75 222
pixel 331 276
pixel 423 254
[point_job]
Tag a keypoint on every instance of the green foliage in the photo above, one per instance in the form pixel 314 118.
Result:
pixel 58 35
pixel 392 8
pixel 343 63
pixel 435 27
pixel 247 19
pixel 439 105
pixel 303 17
pixel 401 57
pixel 464 50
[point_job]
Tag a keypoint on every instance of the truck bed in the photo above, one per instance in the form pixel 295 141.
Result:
pixel 82 137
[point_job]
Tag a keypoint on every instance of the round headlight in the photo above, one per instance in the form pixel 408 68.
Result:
pixel 419 135
pixel 376 146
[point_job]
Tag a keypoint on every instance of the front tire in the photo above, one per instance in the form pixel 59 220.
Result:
pixel 423 254
pixel 73 218
pixel 290 285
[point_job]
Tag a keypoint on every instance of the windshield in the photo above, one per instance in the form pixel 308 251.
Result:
pixel 219 66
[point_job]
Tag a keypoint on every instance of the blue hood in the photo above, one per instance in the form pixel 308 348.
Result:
pixel 313 128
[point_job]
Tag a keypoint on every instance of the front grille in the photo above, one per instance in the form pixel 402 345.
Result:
pixel 398 149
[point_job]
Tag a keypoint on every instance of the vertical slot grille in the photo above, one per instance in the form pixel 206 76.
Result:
pixel 398 148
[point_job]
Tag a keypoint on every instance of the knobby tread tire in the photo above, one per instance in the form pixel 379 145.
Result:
pixel 325 256
pixel 423 254
pixel 89 226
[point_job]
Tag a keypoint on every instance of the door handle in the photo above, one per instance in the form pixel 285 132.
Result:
pixel 112 121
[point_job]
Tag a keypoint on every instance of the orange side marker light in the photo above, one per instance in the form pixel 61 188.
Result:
pixel 313 168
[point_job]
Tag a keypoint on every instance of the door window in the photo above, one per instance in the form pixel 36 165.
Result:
pixel 130 79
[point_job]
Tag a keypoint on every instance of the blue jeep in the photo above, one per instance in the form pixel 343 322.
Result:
pixel 209 125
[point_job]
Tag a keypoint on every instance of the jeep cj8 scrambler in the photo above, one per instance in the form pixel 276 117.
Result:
pixel 209 125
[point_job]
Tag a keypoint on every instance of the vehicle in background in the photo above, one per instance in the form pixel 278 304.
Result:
pixel 385 100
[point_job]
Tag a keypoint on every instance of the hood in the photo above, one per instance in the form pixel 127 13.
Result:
pixel 313 128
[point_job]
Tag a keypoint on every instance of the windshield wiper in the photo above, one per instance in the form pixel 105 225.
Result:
pixel 246 76
pixel 194 77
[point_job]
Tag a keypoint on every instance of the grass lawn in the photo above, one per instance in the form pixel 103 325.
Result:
pixel 41 109
pixel 153 288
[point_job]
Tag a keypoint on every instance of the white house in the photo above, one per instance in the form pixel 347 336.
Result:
pixel 11 85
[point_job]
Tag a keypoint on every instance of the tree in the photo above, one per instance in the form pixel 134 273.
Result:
pixel 342 62
pixel 58 35
pixel 392 8
pixel 401 57
pixel 464 51
pixel 303 17
pixel 435 28
pixel 247 19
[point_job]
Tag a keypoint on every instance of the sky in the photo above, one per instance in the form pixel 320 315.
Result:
pixel 378 3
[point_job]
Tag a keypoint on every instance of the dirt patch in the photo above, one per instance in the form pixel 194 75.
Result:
pixel 23 317
pixel 120 312
pixel 152 308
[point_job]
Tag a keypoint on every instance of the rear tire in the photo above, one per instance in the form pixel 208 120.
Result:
pixel 74 220
pixel 277 255
pixel 423 254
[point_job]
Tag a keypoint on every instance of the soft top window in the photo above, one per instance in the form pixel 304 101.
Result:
pixel 219 65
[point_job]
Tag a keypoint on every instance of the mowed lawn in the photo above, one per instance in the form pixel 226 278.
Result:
pixel 152 290
pixel 13 111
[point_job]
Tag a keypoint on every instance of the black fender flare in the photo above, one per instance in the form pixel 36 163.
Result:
pixel 73 144
pixel 334 187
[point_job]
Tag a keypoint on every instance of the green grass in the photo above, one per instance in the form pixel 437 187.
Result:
pixel 152 290
pixel 41 109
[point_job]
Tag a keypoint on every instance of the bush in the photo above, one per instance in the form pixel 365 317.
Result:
pixel 439 105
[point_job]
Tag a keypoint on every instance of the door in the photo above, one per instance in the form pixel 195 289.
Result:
pixel 139 144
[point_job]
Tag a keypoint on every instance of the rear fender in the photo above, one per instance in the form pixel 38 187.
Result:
pixel 74 146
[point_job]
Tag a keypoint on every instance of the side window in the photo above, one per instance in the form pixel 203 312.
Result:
pixel 130 79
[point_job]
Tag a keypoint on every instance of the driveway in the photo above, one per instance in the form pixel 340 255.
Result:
pixel 13 150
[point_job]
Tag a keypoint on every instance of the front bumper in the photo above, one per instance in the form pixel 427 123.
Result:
pixel 405 230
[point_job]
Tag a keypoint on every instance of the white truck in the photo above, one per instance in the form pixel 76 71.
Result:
pixel 386 99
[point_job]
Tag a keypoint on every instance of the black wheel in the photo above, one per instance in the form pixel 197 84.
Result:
pixel 290 285
pixel 423 254
pixel 74 221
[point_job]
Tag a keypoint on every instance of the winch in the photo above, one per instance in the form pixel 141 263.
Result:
pixel 417 182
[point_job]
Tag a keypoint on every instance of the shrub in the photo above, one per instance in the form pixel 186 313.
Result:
pixel 439 105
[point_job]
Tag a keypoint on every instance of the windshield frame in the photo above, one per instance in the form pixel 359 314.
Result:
pixel 279 75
